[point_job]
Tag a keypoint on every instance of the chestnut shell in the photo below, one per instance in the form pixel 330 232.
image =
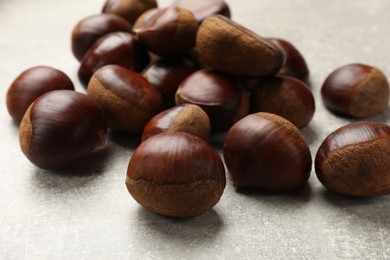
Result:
pixel 204 8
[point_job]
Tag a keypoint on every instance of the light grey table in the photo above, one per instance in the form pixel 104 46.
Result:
pixel 90 215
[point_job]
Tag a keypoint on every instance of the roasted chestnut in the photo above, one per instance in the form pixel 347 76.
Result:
pixel 204 8
pixel 60 128
pixel 128 9
pixel 176 174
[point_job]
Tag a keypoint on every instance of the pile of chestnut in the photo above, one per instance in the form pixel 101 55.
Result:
pixel 179 74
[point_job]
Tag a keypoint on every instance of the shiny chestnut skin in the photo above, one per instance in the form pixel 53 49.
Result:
pixel 184 118
pixel 222 99
pixel 127 98
pixel 60 128
pixel 354 160
pixel 119 48
pixel 294 64
pixel 168 32
pixel 176 174
pixel 128 9
pixel 241 52
pixel 204 8
pixel 31 84
pixel 356 90
pixel 267 152
pixel 166 75
pixel 90 29
pixel 284 96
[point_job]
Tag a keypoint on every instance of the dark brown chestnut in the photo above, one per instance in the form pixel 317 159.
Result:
pixel 127 98
pixel 284 96
pixel 31 84
pixel 267 152
pixel 222 99
pixel 230 48
pixel 176 174
pixel 204 8
pixel 356 90
pixel 168 32
pixel 354 160
pixel 128 9
pixel 184 118
pixel 90 29
pixel 119 48
pixel 166 75
pixel 294 64
pixel 60 128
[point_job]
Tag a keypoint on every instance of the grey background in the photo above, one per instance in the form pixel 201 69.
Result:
pixel 90 215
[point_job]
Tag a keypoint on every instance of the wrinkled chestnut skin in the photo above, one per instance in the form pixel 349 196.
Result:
pixel 166 75
pixel 204 8
pixel 184 118
pixel 294 64
pixel 168 32
pixel 90 29
pixel 31 84
pixel 267 152
pixel 128 9
pixel 176 174
pixel 354 160
pixel 60 128
pixel 119 48
pixel 284 96
pixel 356 90
pixel 127 98
pixel 222 99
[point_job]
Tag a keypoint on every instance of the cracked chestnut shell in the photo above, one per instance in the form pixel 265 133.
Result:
pixel 31 84
pixel 176 174
pixel 267 152
pixel 128 9
pixel 204 8
pixel 354 160
pixel 60 128
pixel 356 90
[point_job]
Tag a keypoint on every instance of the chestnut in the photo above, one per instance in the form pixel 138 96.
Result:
pixel 230 48
pixel 168 32
pixel 356 90
pixel 166 75
pixel 128 9
pixel 119 48
pixel 127 98
pixel 354 160
pixel 184 118
pixel 267 152
pixel 144 17
pixel 285 96
pixel 204 8
pixel 294 64
pixel 90 29
pixel 60 128
pixel 222 99
pixel 31 84
pixel 176 174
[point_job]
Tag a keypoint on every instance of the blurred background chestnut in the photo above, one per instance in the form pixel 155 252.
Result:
pixel 128 9
pixel 204 8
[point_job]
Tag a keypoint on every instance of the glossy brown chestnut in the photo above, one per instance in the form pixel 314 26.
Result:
pixel 267 152
pixel 204 8
pixel 144 17
pixel 127 98
pixel 184 118
pixel 119 48
pixel 284 96
pixel 90 29
pixel 355 160
pixel 128 9
pixel 228 47
pixel 31 84
pixel 222 99
pixel 176 174
pixel 60 128
pixel 294 64
pixel 168 32
pixel 356 90
pixel 166 75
